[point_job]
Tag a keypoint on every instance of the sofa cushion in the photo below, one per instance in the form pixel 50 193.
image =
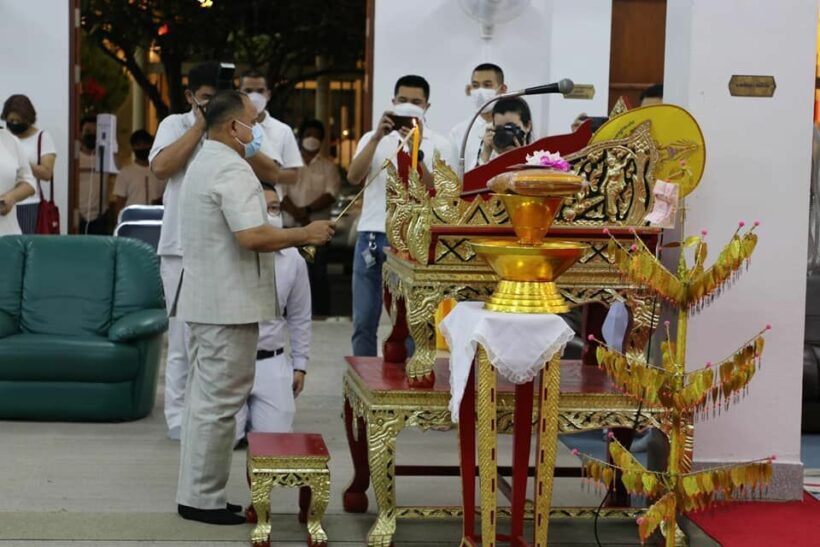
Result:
pixel 44 357
pixel 68 287
pixel 137 283
pixel 12 257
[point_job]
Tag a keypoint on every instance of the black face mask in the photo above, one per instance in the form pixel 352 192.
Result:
pixel 505 136
pixel 142 153
pixel 18 128
pixel 89 141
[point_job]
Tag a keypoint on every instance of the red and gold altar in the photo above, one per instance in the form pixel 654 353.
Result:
pixel 436 235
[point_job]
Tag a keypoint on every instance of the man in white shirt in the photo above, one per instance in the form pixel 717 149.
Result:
pixel 226 290
pixel 410 98
pixel 179 139
pixel 279 142
pixel 311 199
pixel 279 379
pixel 487 81
pixel 136 184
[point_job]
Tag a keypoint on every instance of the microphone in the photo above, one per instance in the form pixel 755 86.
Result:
pixel 564 86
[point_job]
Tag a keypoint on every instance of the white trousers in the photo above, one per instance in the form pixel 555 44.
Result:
pixel 271 407
pixel 176 364
pixel 223 358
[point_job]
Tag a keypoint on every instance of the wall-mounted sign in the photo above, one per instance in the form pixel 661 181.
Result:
pixel 581 91
pixel 751 86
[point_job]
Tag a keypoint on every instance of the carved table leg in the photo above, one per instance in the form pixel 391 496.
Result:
pixel 261 484
pixel 320 496
pixel 487 447
pixel 466 435
pixel 305 496
pixel 421 306
pixel 547 441
pixel 522 438
pixel 395 347
pixel 383 428
pixel 355 496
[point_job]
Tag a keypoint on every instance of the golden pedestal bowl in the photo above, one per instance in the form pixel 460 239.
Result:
pixel 528 273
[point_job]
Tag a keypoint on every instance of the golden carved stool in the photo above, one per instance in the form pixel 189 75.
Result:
pixel 291 460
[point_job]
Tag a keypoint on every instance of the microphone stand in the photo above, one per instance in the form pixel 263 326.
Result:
pixel 563 87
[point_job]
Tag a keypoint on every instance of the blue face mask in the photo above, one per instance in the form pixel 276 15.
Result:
pixel 252 147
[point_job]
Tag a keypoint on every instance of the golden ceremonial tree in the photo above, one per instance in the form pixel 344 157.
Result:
pixel 683 395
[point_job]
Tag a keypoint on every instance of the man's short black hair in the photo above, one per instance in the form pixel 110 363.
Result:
pixel 412 80
pixel 654 91
pixel 514 104
pixel 312 124
pixel 88 118
pixel 254 73
pixel 490 66
pixel 225 105
pixel 202 75
pixel 268 186
pixel 141 136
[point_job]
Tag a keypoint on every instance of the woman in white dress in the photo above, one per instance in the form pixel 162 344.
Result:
pixel 16 181
pixel 20 117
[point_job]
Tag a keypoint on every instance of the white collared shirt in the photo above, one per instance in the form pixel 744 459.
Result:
pixel 14 168
pixel 279 143
pixel 293 291
pixel 374 209
pixel 474 141
pixel 170 130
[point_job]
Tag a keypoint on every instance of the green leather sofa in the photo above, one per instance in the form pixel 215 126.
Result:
pixel 81 323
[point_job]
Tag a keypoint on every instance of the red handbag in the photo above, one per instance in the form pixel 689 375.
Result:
pixel 48 214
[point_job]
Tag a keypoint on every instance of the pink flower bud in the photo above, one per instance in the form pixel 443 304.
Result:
pixel 574 451
pixel 606 231
pixel 611 436
pixel 741 224
pixel 666 323
pixel 632 230
pixel 704 232
pixel 639 520
pixel 773 457
pixel 757 223
pixel 591 338
pixel 708 364
pixel 769 326
pixel 633 247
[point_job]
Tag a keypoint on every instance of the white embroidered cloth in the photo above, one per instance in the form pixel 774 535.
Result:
pixel 518 344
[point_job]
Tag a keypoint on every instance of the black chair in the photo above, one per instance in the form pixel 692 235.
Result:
pixel 141 212
pixel 144 230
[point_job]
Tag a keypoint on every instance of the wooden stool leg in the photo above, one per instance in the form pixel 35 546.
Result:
pixel 320 489
pixel 261 484
pixel 466 436
pixel 355 497
pixel 487 444
pixel 304 503
pixel 547 440
pixel 522 436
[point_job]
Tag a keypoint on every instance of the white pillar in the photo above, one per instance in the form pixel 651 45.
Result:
pixel 138 96
pixel 757 168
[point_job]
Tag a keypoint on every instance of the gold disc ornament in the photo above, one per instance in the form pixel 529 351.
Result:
pixel 678 138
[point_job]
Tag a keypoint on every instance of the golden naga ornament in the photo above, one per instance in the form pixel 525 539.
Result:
pixel 681 395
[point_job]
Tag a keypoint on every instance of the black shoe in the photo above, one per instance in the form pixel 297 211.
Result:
pixel 233 508
pixel 210 516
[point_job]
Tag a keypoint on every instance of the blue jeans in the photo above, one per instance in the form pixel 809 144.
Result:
pixel 367 293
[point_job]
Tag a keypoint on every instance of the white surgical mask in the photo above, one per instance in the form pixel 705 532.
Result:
pixel 275 220
pixel 408 109
pixel 481 96
pixel 311 144
pixel 259 101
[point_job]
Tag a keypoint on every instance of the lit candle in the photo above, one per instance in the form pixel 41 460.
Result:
pixel 414 158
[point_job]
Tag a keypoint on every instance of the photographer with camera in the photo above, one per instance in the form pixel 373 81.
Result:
pixel 411 96
pixel 511 128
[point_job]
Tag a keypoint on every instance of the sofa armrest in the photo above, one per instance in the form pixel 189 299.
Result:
pixel 140 324
pixel 8 325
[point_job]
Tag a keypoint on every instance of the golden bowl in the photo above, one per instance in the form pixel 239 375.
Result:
pixel 514 262
pixel 531 216
pixel 528 273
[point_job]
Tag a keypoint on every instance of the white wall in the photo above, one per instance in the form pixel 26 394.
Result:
pixel 552 39
pixel 34 56
pixel 758 167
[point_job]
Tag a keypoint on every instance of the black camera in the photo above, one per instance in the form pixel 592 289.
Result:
pixel 506 135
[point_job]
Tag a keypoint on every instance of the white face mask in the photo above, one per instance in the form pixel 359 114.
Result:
pixel 311 144
pixel 259 101
pixel 481 96
pixel 275 220
pixel 408 109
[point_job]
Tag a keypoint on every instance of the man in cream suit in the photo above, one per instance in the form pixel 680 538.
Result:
pixel 227 288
